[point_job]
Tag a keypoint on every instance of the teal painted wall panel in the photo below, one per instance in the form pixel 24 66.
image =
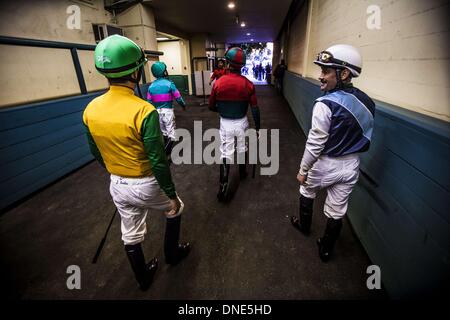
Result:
pixel 403 138
pixel 53 171
pixel 15 168
pixel 18 151
pixel 400 206
pixel 393 186
pixel 40 143
pixel 300 95
pixel 32 113
pixel 29 176
pixel 38 129
pixel 419 269
pixel 181 82
pixel 384 164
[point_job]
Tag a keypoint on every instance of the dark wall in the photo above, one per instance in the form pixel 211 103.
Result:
pixel 400 207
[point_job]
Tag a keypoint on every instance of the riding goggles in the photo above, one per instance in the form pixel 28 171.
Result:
pixel 327 57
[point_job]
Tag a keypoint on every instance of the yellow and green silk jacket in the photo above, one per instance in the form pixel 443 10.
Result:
pixel 124 136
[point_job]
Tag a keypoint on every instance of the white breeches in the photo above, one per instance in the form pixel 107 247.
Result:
pixel 338 176
pixel 134 198
pixel 167 123
pixel 229 130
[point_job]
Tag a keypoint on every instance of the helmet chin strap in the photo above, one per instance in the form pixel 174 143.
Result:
pixel 339 84
pixel 136 81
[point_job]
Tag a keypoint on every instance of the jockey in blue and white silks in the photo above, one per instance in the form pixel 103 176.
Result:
pixel 341 128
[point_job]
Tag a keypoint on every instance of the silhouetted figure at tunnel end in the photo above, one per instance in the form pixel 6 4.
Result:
pixel 268 69
pixel 341 128
pixel 278 73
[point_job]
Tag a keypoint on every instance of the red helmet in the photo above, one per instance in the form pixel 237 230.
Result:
pixel 235 57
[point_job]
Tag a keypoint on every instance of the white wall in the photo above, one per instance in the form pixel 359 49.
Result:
pixel 138 23
pixel 186 61
pixel 171 57
pixel 198 44
pixel 49 73
pixel 35 74
pixel 406 62
pixel 297 42
pixel 47 20
pixel 177 58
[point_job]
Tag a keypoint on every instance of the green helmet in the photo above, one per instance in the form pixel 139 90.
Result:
pixel 159 69
pixel 117 56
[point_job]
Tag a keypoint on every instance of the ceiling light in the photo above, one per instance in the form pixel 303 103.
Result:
pixel 242 24
pixel 248 33
pixel 251 39
pixel 231 5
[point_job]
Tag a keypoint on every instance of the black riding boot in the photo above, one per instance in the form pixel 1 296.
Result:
pixel 174 251
pixel 168 146
pixel 326 243
pixel 166 140
pixel 243 166
pixel 144 273
pixel 303 223
pixel 224 172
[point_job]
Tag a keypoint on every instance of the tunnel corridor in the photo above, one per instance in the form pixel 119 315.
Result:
pixel 245 249
pixel 334 80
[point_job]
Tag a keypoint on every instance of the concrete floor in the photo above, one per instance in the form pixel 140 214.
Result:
pixel 246 249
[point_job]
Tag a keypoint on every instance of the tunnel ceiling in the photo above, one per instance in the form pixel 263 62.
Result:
pixel 263 18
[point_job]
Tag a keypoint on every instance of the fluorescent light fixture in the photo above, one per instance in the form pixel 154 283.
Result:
pixel 248 33
pixel 242 24
pixel 231 5
pixel 162 38
pixel 251 39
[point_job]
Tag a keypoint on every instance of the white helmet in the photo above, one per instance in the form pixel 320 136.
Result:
pixel 341 56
